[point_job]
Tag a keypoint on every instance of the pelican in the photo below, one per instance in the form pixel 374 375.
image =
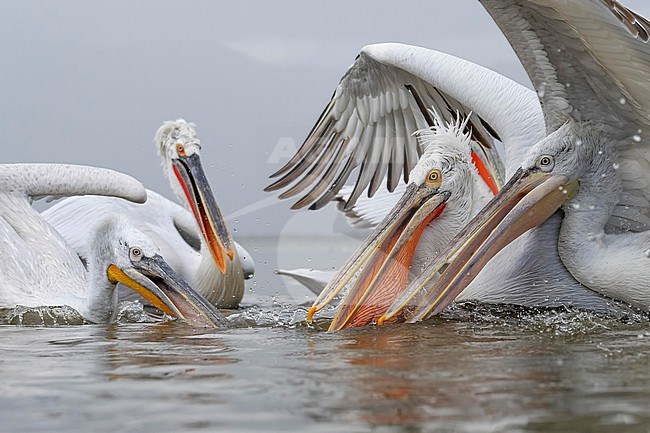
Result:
pixel 444 191
pixel 500 108
pixel 387 94
pixel 590 64
pixel 38 268
pixel 196 243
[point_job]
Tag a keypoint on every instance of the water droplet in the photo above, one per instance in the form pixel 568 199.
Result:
pixel 576 206
pixel 623 101
pixel 615 165
pixel 636 138
pixel 592 207
pixel 578 142
pixel 541 93
pixel 600 152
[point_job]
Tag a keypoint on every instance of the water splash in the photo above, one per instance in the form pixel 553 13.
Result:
pixel 135 312
pixel 127 312
pixel 41 316
pixel 557 321
pixel 279 316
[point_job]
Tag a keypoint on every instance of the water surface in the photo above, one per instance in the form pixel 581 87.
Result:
pixel 476 369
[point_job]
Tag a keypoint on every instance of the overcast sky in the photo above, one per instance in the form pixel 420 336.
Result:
pixel 89 82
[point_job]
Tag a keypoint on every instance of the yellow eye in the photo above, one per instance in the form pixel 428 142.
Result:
pixel 180 149
pixel 433 178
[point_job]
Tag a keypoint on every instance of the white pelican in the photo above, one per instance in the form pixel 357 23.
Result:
pixel 204 257
pixel 509 110
pixel 590 64
pixel 38 268
pixel 444 192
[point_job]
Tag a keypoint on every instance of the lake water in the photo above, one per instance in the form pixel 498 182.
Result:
pixel 476 369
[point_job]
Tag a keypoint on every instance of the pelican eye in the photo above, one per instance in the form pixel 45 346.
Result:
pixel 433 178
pixel 135 253
pixel 180 149
pixel 546 163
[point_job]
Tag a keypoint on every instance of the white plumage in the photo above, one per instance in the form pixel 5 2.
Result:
pixel 590 64
pixel 37 266
pixel 529 271
pixel 172 227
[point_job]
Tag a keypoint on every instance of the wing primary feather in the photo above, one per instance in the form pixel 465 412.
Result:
pixel 396 162
pixel 384 155
pixel 423 108
pixel 316 169
pixel 489 128
pixel 313 135
pixel 324 182
pixel 368 166
pixel 635 23
pixel 308 159
pixel 350 165
pixel 358 188
pixel 410 157
pixel 359 148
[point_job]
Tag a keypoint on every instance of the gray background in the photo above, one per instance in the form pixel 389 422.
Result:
pixel 89 82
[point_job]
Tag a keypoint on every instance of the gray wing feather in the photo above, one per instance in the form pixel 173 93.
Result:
pixel 367 127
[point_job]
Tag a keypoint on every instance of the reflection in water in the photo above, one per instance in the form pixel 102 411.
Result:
pixel 489 376
pixel 476 370
pixel 163 351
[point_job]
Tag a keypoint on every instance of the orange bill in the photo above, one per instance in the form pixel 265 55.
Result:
pixel 527 200
pixel 190 175
pixel 382 263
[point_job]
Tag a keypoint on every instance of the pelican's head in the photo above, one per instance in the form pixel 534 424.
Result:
pixel 128 256
pixel 569 151
pixel 447 156
pixel 179 148
pixel 546 180
pixel 440 181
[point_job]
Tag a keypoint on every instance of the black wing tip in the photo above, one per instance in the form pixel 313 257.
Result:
pixel 281 171
pixel 636 24
pixel 300 204
pixel 273 187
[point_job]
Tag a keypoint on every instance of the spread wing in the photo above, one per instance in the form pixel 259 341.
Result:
pixel 589 60
pixel 383 98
